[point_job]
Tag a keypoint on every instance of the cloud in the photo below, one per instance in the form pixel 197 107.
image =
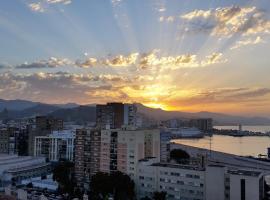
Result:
pixel 226 95
pixel 59 87
pixel 116 2
pixel 179 61
pixel 42 5
pixel 65 2
pixel 247 42
pixel 227 100
pixel 140 61
pixel 161 9
pixel 228 21
pixel 214 58
pixel 36 7
pixel 52 62
pixel 121 61
pixel 89 62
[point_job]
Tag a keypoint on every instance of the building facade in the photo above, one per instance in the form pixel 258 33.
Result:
pixel 87 154
pixel 122 149
pixel 14 169
pixel 204 124
pixel 115 115
pixel 189 182
pixel 56 146
pixel 42 126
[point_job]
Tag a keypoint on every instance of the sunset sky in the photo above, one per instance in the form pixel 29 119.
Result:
pixel 187 55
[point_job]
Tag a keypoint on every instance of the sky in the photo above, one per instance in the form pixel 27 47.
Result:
pixel 185 55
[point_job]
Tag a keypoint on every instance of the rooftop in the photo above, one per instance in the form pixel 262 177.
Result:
pixel 244 173
pixel 179 166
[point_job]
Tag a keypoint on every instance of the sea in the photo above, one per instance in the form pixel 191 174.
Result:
pixel 243 146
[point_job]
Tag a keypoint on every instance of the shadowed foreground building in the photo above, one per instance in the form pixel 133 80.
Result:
pixel 87 154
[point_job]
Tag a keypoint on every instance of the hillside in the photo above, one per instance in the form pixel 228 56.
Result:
pixel 87 113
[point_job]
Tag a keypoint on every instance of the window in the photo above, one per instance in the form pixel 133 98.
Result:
pixel 243 189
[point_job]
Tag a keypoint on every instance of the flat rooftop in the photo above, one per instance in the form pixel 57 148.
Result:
pixel 179 166
pixel 245 173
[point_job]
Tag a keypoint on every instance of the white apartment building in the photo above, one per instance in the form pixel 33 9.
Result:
pixel 58 145
pixel 182 182
pixel 121 149
pixel 179 181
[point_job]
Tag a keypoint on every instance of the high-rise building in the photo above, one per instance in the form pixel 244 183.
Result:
pixel 48 123
pixel 115 115
pixel 121 149
pixel 4 140
pixel 204 124
pixel 8 140
pixel 165 139
pixel 56 146
pixel 43 126
pixel 87 154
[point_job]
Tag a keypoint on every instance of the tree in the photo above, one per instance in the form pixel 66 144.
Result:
pixel 180 156
pixel 63 174
pixel 123 186
pixel 117 184
pixel 159 195
pixel 100 185
pixel 146 198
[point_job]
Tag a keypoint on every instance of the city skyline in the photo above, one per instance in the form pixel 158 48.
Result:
pixel 176 55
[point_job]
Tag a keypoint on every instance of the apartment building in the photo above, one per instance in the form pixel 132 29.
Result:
pixel 43 126
pixel 121 149
pixel 190 182
pixel 179 181
pixel 115 115
pixel 87 154
pixel 8 140
pixel 204 124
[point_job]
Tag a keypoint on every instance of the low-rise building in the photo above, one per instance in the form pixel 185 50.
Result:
pixel 189 182
pixel 14 169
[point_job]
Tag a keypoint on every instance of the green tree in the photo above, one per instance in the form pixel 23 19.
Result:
pixel 159 195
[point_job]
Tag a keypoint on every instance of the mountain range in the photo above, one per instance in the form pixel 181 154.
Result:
pixel 14 109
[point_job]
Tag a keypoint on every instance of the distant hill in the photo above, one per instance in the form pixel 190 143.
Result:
pixel 17 105
pixel 81 114
pixel 219 118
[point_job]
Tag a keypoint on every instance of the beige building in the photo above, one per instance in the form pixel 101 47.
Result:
pixel 121 149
